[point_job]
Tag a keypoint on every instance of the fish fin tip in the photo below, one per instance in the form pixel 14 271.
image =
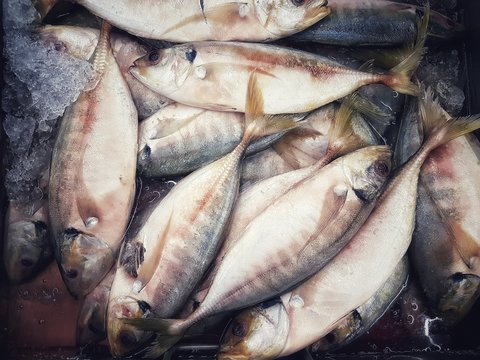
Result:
pixel 399 77
pixel 257 123
pixel 365 107
pixel 436 120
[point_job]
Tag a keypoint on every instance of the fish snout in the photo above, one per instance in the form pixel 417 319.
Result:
pixel 84 260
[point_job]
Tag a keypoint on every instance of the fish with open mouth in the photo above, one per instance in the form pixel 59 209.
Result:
pixel 89 202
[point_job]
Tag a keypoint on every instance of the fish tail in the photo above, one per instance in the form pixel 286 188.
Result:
pixel 257 124
pixel 99 57
pixel 439 128
pixel 399 77
pixel 44 6
pixel 165 327
pixel 159 346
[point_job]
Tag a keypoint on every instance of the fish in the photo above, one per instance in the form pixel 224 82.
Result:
pixel 289 241
pixel 374 23
pixel 80 42
pixel 365 316
pixel 90 203
pixel 182 234
pixel 345 133
pixel 446 241
pixel 190 20
pixel 305 145
pixel 214 75
pixel 366 262
pixel 27 247
pixel 179 139
pixel 91 322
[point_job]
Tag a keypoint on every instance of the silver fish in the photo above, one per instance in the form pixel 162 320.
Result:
pixel 190 20
pixel 365 263
pixel 336 200
pixel 214 75
pixel 365 316
pixel 182 234
pixel 374 23
pixel 90 203
pixel 179 139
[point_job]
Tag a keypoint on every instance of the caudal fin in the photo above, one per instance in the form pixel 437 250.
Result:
pixel 399 77
pixel 257 124
pixel 438 127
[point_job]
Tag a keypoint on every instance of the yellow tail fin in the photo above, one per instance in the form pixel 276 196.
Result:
pixel 399 77
pixel 257 124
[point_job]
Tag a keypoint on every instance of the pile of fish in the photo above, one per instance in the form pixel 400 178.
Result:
pixel 288 203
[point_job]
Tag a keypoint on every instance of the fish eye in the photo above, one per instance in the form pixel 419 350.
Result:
pixel 330 337
pixel 381 168
pixel 71 273
pixel 59 46
pixel 144 306
pixel 147 151
pixel 238 329
pixel 26 262
pixel 190 55
pixel 298 2
pixel 153 56
pixel 127 339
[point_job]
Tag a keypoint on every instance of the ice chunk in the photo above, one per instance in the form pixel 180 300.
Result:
pixel 39 84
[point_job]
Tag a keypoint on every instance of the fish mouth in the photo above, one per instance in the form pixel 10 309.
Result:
pixel 84 260
pixel 463 291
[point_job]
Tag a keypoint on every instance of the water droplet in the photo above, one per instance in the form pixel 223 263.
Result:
pixel 395 94
pixel 414 306
pixel 387 350
pixel 373 346
pixel 41 322
pixel 410 319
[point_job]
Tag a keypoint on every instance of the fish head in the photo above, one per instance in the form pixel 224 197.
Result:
pixel 367 170
pixel 462 291
pixel 165 70
pixel 91 322
pixel 341 335
pixel 27 249
pixel 125 339
pixel 286 17
pixel 84 260
pixel 76 41
pixel 256 333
